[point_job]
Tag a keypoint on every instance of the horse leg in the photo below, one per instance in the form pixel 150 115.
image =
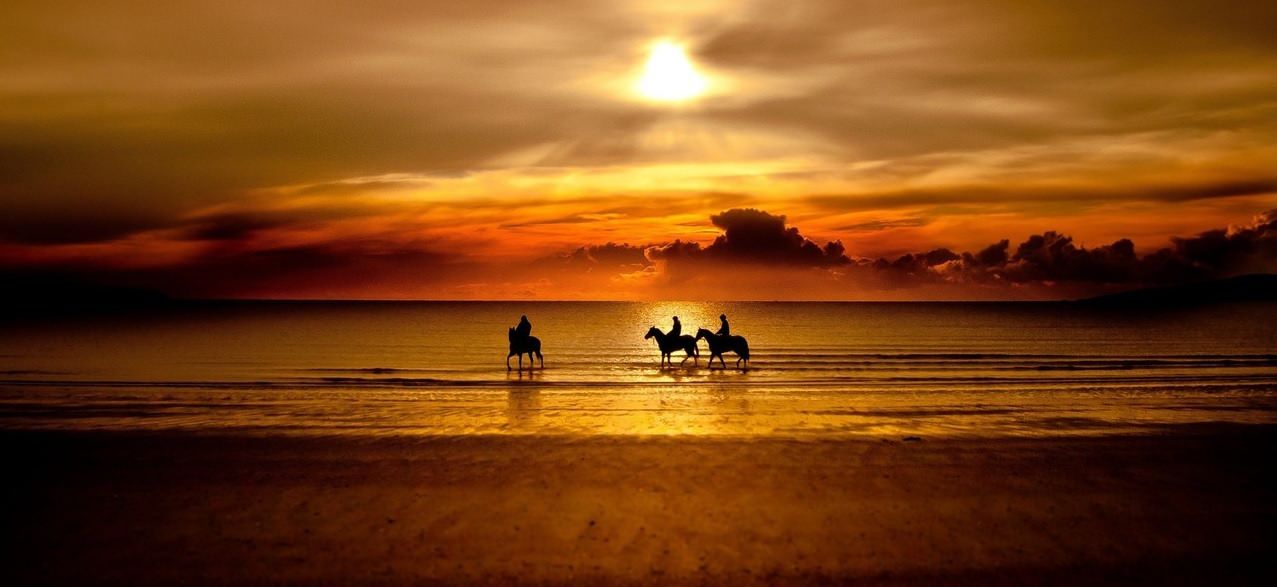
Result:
pixel 542 358
pixel 507 361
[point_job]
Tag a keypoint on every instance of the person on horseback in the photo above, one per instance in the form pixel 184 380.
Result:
pixel 676 330
pixel 523 343
pixel 524 329
pixel 723 330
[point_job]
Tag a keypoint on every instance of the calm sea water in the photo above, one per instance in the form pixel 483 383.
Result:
pixel 822 369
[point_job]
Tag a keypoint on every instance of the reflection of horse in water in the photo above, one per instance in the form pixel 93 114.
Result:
pixel 725 343
pixel 668 344
pixel 521 345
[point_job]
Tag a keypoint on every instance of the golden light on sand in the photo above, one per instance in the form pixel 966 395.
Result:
pixel 669 76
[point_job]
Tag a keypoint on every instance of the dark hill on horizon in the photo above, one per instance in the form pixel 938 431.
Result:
pixel 33 294
pixel 1257 287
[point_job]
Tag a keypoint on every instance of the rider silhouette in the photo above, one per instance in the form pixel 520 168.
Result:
pixel 524 329
pixel 677 329
pixel 723 330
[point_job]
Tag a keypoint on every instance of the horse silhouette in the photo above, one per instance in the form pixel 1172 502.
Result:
pixel 668 344
pixel 524 345
pixel 725 343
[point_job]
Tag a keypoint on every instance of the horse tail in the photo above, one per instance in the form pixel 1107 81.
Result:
pixel 743 350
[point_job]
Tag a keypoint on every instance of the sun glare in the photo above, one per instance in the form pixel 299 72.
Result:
pixel 669 75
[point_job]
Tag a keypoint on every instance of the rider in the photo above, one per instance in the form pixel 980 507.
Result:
pixel 677 329
pixel 723 330
pixel 524 329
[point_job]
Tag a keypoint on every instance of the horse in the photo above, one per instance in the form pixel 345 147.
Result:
pixel 521 346
pixel 668 344
pixel 724 343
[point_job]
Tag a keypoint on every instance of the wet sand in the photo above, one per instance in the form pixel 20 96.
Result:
pixel 1190 505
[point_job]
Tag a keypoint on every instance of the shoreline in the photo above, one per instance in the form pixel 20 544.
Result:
pixel 1191 504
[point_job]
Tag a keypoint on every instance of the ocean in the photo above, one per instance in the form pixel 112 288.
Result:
pixel 817 370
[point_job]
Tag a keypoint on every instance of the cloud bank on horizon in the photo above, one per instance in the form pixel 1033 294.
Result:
pixel 757 256
pixel 492 150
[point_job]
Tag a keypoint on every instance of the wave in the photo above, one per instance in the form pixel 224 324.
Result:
pixel 1013 356
pixel 938 382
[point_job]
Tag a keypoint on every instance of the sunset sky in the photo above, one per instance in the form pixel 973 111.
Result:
pixel 687 149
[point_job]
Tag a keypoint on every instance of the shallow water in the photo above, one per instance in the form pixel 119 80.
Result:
pixel 817 369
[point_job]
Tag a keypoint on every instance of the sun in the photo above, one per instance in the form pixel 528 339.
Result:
pixel 669 76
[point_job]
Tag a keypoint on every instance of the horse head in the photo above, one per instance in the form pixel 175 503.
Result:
pixel 653 331
pixel 703 333
pixel 511 335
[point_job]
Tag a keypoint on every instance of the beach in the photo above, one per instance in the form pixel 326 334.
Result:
pixel 1188 505
pixel 893 444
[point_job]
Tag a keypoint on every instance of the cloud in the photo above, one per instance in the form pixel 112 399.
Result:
pixel 756 237
pixel 883 79
pixel 1077 194
pixel 230 226
pixel 1244 249
pixel 1049 264
pixel 573 219
pixel 757 255
pixel 610 257
pixel 341 270
pixel 122 118
pixel 878 224
pixel 677 252
pixel 1052 257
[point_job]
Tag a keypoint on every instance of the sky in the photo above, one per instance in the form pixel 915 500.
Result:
pixel 810 149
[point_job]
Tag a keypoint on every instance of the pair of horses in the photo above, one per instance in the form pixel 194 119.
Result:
pixel 718 344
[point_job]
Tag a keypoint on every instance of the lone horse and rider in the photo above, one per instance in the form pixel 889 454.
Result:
pixel 523 343
pixel 673 341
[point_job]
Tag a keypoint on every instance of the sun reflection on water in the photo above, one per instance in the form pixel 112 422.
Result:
pixel 818 369
pixel 692 315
